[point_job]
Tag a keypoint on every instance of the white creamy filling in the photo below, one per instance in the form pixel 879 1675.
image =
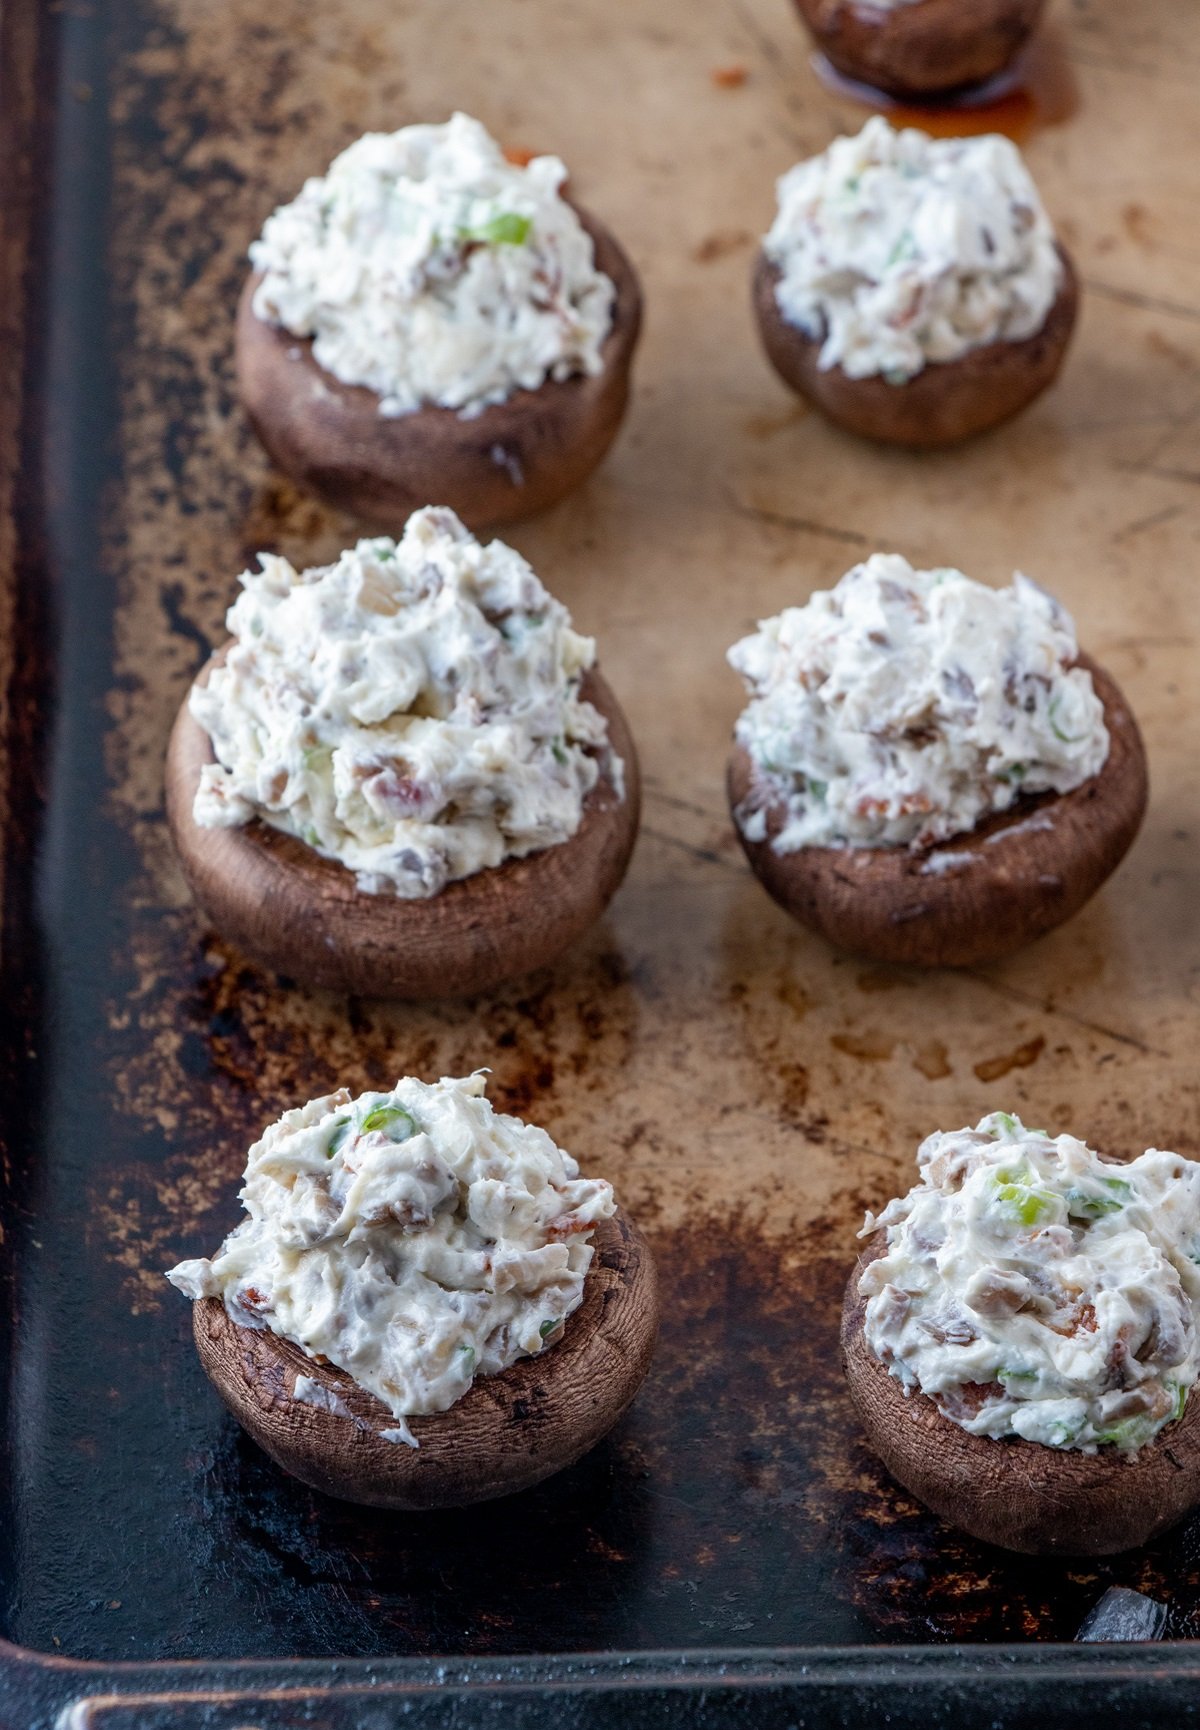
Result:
pixel 427 267
pixel 1031 1288
pixel 902 707
pixel 412 711
pixel 415 1239
pixel 896 249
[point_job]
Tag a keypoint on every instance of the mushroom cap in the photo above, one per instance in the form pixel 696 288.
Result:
pixel 507 1432
pixel 924 49
pixel 947 400
pixel 291 909
pixel 1022 871
pixel 1018 1494
pixel 512 459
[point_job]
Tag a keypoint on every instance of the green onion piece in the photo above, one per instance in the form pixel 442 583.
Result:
pixel 390 1120
pixel 818 789
pixel 342 1127
pixel 506 229
pixel 559 750
pixel 468 1352
pixel 1028 1205
pixel 1085 1204
pixel 1021 1200
pixel 905 247
pixel 1063 1434
pixel 1130 1432
pixel 549 1327
pixel 1067 738
pixel 1006 1376
pixel 1008 1124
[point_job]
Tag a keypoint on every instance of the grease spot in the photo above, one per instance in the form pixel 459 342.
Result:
pixel 721 243
pixel 992 1068
pixel 932 1060
pixel 867 1047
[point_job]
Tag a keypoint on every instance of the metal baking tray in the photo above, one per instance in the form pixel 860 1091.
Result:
pixel 732 1554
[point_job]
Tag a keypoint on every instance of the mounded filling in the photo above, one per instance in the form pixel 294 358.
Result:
pixel 427 267
pixel 416 1239
pixel 1032 1288
pixel 412 711
pixel 903 707
pixel 896 249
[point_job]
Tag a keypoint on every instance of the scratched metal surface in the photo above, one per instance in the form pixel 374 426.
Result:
pixel 747 1090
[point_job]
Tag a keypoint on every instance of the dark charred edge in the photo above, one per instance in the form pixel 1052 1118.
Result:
pixel 28 68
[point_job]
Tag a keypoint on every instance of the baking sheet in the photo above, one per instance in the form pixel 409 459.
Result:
pixel 747 1090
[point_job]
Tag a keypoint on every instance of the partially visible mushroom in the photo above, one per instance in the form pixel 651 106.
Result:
pixel 922 48
pixel 1018 1494
pixel 507 1432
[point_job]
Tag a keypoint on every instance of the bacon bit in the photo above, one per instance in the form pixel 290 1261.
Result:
pixel 253 1300
pixel 1085 1321
pixel 518 157
pixel 968 1399
pixel 729 77
pixel 567 1225
pixel 396 790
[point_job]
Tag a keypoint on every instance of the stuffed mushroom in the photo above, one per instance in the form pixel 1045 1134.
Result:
pixel 928 770
pixel 912 288
pixel 426 1305
pixel 428 320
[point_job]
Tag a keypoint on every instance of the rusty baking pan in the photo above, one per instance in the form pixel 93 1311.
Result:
pixel 732 1554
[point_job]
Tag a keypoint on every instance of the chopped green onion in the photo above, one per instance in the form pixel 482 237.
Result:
pixel 390 1120
pixel 1007 1123
pixel 1067 738
pixel 342 1127
pixel 1021 1200
pixel 559 750
pixel 506 229
pixel 1006 1376
pixel 1063 1434
pixel 818 789
pixel 468 1352
pixel 549 1327
pixel 1130 1432
pixel 1084 1204
pixel 905 247
pixel 1014 772
pixel 1027 1205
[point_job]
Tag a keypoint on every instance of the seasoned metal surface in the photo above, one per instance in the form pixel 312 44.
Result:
pixel 748 1091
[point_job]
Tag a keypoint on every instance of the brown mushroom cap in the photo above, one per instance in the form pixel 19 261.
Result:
pixel 1024 871
pixel 293 910
pixel 507 1431
pixel 922 49
pixel 943 403
pixel 514 458
pixel 1018 1494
